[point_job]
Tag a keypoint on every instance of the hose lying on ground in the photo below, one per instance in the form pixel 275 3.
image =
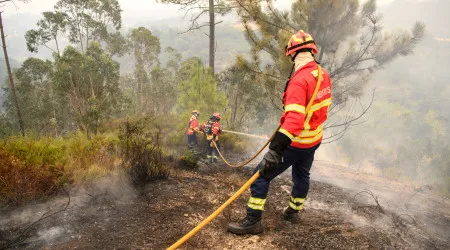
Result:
pixel 249 182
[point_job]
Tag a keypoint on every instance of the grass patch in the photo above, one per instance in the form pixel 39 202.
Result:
pixel 33 168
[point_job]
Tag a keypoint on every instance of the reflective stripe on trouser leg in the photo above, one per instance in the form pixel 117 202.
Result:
pixel 209 151
pixel 256 203
pixel 260 187
pixel 296 203
pixel 214 154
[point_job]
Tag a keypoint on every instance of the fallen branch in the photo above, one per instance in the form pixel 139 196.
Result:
pixel 375 198
pixel 399 222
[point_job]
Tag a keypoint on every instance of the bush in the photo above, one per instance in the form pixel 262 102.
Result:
pixel 32 168
pixel 141 151
pixel 238 143
pixel 22 180
pixel 90 159
pixel 189 160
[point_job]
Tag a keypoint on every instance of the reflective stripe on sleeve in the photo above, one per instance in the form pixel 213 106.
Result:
pixel 295 107
pixel 285 132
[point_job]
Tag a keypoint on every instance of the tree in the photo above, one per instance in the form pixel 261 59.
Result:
pixel 81 21
pixel 11 80
pixel 90 83
pixel 49 28
pixel 245 105
pixel 145 49
pixel 351 43
pixel 164 82
pixel 200 8
pixel 35 93
pixel 199 91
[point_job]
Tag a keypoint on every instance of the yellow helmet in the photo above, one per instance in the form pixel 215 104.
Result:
pixel 195 112
pixel 300 40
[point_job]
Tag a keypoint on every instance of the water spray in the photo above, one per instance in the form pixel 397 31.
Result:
pixel 245 134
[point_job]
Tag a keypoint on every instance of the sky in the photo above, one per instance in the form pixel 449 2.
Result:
pixel 132 9
pixel 20 17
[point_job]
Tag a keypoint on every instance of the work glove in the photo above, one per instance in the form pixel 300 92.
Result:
pixel 271 159
pixel 269 163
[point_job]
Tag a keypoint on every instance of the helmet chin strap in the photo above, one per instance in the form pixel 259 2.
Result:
pixel 293 58
pixel 314 57
pixel 293 65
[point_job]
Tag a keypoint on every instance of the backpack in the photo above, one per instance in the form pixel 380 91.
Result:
pixel 208 128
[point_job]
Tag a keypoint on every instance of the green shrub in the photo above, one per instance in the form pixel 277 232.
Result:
pixel 238 143
pixel 36 167
pixel 142 152
pixel 22 180
pixel 189 160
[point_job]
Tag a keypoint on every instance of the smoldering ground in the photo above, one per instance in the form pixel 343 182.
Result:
pixel 56 220
pixel 356 210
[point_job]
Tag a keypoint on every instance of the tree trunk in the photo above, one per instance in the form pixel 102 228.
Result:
pixel 235 108
pixel 211 35
pixel 142 94
pixel 92 86
pixel 11 80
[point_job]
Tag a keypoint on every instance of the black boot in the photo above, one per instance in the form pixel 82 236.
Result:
pixel 290 215
pixel 249 225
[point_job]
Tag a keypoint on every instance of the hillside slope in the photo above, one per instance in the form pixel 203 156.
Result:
pixel 112 215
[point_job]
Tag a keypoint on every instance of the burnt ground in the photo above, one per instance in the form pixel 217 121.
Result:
pixel 112 215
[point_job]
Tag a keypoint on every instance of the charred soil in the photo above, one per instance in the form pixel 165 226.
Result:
pixel 159 214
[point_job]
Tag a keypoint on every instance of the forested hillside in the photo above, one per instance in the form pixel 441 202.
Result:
pixel 409 122
pixel 94 125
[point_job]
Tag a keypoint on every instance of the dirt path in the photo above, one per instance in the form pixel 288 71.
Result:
pixel 115 216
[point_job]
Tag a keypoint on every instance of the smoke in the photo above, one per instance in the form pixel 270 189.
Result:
pixel 85 200
pixel 50 234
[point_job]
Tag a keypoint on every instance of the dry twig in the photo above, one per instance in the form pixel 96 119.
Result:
pixel 375 198
pixel 22 235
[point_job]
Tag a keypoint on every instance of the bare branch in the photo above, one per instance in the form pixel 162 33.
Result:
pixel 375 198
pixel 359 116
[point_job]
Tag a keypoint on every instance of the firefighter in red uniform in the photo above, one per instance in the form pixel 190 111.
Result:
pixel 212 130
pixel 193 129
pixel 298 138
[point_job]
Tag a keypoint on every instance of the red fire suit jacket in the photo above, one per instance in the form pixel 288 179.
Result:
pixel 305 130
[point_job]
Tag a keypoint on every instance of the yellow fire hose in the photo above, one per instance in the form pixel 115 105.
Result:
pixel 253 157
pixel 214 215
pixel 248 183
pixel 229 201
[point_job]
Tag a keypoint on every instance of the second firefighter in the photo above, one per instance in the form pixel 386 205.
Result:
pixel 212 130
